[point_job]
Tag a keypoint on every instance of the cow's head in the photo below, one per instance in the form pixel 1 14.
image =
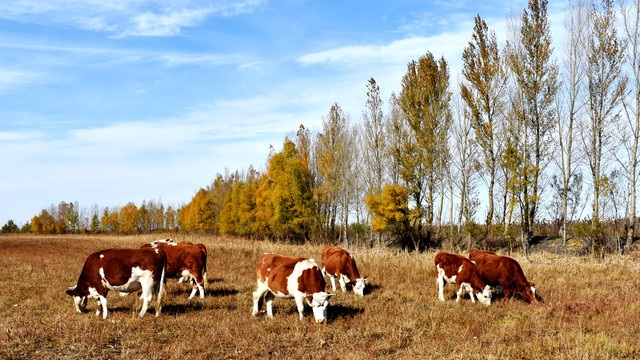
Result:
pixel 529 293
pixel 79 298
pixel 319 302
pixel 484 296
pixel 358 288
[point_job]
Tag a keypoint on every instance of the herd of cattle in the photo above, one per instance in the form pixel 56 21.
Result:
pixel 145 270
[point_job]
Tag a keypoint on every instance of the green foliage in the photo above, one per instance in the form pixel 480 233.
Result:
pixel 10 227
pixel 286 203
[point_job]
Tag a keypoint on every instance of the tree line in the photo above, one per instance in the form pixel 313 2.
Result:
pixel 526 138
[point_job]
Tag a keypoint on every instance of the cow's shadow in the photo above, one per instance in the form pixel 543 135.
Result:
pixel 175 309
pixel 371 288
pixel 340 311
pixel 186 290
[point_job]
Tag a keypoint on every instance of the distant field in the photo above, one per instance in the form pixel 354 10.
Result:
pixel 591 309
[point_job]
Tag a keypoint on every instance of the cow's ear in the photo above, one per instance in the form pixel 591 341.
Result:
pixel 71 290
pixel 310 296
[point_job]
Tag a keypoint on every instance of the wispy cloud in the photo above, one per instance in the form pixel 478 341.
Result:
pixel 121 18
pixel 11 78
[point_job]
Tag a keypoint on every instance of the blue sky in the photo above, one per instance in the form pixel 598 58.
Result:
pixel 110 101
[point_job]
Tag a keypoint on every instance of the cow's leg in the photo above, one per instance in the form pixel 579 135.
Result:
pixel 102 300
pixel 300 305
pixel 268 298
pixel 147 293
pixel 333 282
pixel 462 289
pixel 441 284
pixel 257 295
pixel 343 284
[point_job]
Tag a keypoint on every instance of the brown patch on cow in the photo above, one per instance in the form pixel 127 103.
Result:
pixel 504 271
pixel 337 261
pixel 311 281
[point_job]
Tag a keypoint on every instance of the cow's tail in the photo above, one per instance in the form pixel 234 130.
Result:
pixel 161 286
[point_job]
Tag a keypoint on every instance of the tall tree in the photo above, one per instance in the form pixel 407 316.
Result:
pixel 333 153
pixel 482 92
pixel 425 100
pixel 606 86
pixel 536 75
pixel 576 26
pixel 631 128
pixel 374 139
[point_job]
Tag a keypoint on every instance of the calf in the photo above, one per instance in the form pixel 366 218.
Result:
pixel 123 270
pixel 457 269
pixel 504 271
pixel 339 263
pixel 185 260
pixel 291 277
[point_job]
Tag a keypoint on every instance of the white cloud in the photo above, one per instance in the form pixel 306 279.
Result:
pixel 124 17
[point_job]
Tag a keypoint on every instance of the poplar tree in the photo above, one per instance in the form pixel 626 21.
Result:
pixel 425 101
pixel 482 92
pixel 536 75
pixel 606 87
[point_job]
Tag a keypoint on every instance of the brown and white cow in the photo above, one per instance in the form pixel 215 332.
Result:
pixel 123 270
pixel 291 277
pixel 339 263
pixel 185 260
pixel 457 269
pixel 503 271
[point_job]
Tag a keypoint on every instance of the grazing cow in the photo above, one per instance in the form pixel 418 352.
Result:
pixel 291 277
pixel 186 261
pixel 339 263
pixel 457 269
pixel 123 270
pixel 504 271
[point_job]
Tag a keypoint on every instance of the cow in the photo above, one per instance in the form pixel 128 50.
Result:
pixel 185 261
pixel 339 263
pixel 503 271
pixel 457 269
pixel 123 270
pixel 291 277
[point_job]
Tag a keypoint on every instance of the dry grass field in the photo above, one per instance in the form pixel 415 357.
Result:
pixel 591 309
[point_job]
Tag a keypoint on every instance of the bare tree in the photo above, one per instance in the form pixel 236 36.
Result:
pixel 630 131
pixel 574 60
pixel 606 87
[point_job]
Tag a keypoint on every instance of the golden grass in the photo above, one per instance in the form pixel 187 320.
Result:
pixel 591 309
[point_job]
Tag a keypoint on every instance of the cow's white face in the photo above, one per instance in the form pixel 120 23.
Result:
pixel 319 302
pixel 358 288
pixel 79 300
pixel 484 297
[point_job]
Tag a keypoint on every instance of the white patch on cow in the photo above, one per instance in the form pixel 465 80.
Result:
pixel 484 297
pixel 358 288
pixel 465 288
pixel 533 290
pixel 461 266
pixel 101 256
